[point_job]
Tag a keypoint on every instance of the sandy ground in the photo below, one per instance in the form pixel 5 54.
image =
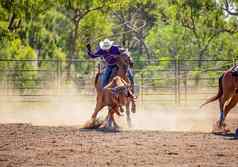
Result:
pixel 39 134
pixel 25 145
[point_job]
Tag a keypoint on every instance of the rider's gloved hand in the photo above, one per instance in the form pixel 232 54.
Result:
pixel 88 47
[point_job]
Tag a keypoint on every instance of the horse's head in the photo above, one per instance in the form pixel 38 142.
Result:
pixel 124 60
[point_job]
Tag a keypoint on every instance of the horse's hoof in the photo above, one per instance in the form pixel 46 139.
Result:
pixel 217 129
pixel 133 109
pixel 220 129
pixel 89 124
pixel 226 130
pixel 219 125
pixel 103 125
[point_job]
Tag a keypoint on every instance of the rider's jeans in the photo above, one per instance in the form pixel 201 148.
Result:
pixel 106 74
pixel 108 71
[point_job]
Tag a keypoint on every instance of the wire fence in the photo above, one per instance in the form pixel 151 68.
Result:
pixel 163 81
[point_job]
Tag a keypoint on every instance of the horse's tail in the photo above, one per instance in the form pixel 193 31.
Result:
pixel 97 75
pixel 219 93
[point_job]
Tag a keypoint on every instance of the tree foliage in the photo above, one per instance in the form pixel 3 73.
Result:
pixel 151 29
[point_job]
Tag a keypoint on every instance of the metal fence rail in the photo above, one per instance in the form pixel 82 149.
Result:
pixel 169 81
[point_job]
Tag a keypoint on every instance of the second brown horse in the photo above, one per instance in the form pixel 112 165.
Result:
pixel 227 96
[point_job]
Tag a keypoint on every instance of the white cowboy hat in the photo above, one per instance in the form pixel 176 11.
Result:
pixel 105 44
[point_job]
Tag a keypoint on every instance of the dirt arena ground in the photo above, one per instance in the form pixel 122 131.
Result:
pixel 24 145
pixel 49 135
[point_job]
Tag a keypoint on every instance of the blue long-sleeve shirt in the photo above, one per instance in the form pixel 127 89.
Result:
pixel 108 56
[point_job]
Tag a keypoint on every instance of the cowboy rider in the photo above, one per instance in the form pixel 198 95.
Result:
pixel 108 51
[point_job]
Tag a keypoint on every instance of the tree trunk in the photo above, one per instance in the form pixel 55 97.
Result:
pixel 72 53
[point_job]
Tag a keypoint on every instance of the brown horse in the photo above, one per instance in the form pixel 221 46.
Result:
pixel 227 96
pixel 105 96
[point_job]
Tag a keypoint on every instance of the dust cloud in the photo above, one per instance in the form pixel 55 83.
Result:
pixel 175 118
pixel 70 109
pixel 66 107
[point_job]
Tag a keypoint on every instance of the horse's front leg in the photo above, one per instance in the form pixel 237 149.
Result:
pixel 132 100
pixel 115 110
pixel 220 125
pixel 99 106
pixel 110 120
pixel 128 117
pixel 133 107
pixel 116 126
pixel 228 107
pixel 92 122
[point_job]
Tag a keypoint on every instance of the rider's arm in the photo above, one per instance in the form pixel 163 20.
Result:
pixel 98 53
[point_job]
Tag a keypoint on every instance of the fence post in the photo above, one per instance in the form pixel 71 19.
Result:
pixel 175 81
pixel 7 86
pixel 7 79
pixel 234 61
pixel 58 74
pixel 178 80
pixel 142 88
pixel 186 89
